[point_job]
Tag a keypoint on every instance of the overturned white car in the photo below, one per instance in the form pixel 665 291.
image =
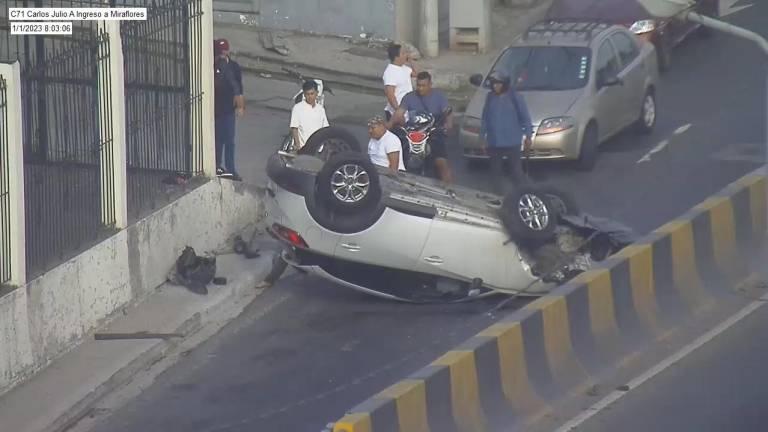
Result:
pixel 407 237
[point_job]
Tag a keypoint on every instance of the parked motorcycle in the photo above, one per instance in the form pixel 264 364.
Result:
pixel 416 136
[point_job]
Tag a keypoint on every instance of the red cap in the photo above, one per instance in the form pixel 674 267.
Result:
pixel 221 45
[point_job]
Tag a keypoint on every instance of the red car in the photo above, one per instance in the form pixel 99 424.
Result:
pixel 664 33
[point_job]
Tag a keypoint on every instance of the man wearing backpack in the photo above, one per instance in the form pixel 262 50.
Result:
pixel 426 98
pixel 505 128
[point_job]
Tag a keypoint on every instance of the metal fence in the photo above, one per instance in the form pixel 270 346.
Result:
pixel 63 146
pixel 66 109
pixel 63 123
pixel 163 110
pixel 5 204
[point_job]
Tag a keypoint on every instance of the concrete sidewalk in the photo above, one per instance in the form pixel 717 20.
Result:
pixel 63 394
pixel 359 65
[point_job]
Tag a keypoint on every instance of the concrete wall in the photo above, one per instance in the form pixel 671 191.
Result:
pixel 49 315
pixel 332 17
pixel 406 20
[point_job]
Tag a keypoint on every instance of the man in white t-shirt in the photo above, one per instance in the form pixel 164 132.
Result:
pixel 307 116
pixel 384 148
pixel 397 78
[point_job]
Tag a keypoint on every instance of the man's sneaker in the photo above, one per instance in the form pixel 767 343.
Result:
pixel 219 171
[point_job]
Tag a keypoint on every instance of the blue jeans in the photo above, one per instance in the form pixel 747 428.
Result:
pixel 225 141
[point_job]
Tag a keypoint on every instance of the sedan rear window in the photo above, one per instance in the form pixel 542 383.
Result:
pixel 546 67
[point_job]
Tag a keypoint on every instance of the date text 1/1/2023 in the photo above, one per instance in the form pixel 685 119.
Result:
pixel 41 28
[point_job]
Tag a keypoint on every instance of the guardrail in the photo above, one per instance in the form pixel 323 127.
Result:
pixel 562 343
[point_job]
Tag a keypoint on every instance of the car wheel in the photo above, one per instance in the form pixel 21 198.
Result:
pixel 528 215
pixel 647 120
pixel 330 140
pixel 349 182
pixel 589 148
pixel 562 202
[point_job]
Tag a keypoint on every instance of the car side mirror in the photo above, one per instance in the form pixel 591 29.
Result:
pixel 476 80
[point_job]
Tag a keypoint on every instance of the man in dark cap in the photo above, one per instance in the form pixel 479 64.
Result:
pixel 229 101
pixel 505 128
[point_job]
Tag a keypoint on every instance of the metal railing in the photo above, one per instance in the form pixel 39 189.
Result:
pixel 61 134
pixel 67 116
pixel 5 204
pixel 160 130
pixel 62 153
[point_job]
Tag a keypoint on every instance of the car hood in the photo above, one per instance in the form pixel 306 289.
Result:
pixel 616 11
pixel 541 104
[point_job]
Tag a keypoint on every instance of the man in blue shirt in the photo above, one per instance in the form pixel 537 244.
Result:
pixel 505 128
pixel 426 98
pixel 228 103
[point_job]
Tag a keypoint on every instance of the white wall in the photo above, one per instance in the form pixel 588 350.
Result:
pixel 48 316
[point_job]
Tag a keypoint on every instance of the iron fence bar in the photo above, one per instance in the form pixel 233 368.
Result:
pixel 5 204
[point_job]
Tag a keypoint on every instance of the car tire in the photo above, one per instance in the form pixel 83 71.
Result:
pixel 560 200
pixel 330 140
pixel 589 148
pixel 349 182
pixel 518 215
pixel 648 111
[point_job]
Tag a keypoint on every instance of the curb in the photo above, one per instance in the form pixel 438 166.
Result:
pixel 518 368
pixel 240 289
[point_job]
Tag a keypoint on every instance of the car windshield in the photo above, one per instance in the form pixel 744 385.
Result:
pixel 546 67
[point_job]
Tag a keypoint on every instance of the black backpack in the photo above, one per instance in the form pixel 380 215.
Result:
pixel 195 272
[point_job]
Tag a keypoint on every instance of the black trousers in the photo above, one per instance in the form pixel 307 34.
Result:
pixel 501 181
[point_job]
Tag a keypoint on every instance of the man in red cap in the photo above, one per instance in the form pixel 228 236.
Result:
pixel 229 101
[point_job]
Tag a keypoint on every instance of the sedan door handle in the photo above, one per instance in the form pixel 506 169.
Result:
pixel 434 260
pixel 351 247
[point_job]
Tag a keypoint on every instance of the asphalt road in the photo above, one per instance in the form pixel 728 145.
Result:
pixel 307 350
pixel 720 387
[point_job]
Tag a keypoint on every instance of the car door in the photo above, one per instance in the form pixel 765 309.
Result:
pixel 632 74
pixel 608 98
pixel 464 251
pixel 395 241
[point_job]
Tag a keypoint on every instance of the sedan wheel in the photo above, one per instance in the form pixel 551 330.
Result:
pixel 528 215
pixel 533 211
pixel 331 147
pixel 647 119
pixel 350 183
